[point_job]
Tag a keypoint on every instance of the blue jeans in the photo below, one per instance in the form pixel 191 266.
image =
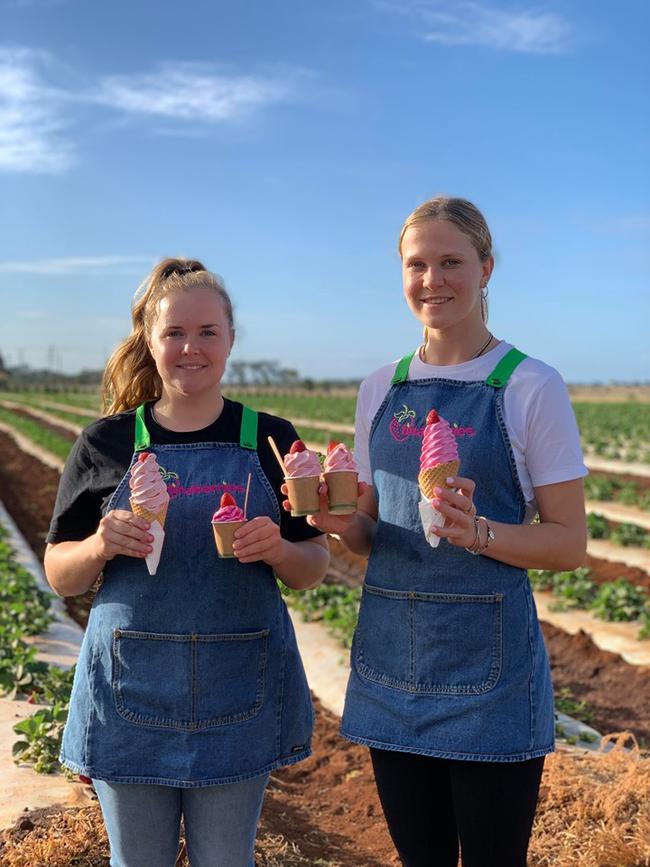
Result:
pixel 143 823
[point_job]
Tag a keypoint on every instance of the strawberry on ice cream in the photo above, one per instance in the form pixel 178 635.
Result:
pixel 301 461
pixel 228 511
pixel 149 500
pixel 226 520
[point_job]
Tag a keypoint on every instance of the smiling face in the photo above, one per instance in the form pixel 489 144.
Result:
pixel 190 341
pixel 443 274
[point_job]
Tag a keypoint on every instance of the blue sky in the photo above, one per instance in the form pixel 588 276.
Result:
pixel 284 143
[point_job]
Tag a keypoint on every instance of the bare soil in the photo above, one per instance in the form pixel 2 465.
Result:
pixel 324 810
pixel 609 570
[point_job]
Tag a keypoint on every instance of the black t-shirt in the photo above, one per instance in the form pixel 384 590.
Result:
pixel 101 457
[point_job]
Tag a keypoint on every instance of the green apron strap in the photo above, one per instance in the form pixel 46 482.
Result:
pixel 503 371
pixel 402 369
pixel 142 438
pixel 248 430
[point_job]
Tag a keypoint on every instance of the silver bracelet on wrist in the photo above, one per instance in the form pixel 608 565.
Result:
pixel 489 534
pixel 476 548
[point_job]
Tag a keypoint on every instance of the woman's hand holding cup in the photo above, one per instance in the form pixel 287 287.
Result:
pixel 324 520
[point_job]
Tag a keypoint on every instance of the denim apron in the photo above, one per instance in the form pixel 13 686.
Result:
pixel 191 677
pixel 448 658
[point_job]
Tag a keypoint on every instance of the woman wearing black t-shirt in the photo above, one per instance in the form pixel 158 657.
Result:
pixel 189 688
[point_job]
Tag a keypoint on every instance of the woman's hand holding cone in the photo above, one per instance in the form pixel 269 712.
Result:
pixel 122 532
pixel 457 505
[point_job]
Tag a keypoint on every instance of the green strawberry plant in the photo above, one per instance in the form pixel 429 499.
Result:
pixel 619 601
pixel 41 736
pixel 25 611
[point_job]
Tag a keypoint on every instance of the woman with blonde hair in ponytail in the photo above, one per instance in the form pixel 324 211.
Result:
pixel 450 684
pixel 189 689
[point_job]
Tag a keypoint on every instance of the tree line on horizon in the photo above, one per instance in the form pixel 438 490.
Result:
pixel 239 374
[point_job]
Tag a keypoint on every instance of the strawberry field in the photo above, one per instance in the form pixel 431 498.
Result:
pixel 324 811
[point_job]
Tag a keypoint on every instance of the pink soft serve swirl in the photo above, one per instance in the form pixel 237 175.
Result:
pixel 301 464
pixel 339 459
pixel 438 445
pixel 226 514
pixel 147 487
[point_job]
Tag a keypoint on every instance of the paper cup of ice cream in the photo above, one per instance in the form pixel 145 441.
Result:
pixel 302 478
pixel 225 521
pixel 342 488
pixel 224 534
pixel 342 479
pixel 302 492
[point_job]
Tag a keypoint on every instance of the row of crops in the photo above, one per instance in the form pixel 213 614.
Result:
pixel 618 431
pixel 37 432
pixel 613 430
pixel 624 534
pixel 25 612
pixel 615 490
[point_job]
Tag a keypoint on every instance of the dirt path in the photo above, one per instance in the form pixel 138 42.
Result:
pixel 630 557
pixel 619 513
pixel 619 468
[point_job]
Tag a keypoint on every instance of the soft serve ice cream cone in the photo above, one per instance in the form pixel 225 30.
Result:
pixel 149 500
pixel 439 456
pixel 228 518
pixel 341 476
pixel 302 478
pixel 438 460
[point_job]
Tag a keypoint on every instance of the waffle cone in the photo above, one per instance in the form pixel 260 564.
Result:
pixel 141 512
pixel 435 477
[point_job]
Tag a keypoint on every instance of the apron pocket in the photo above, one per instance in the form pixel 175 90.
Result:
pixel 189 682
pixel 429 643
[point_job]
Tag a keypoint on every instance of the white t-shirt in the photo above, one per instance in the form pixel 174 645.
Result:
pixel 538 415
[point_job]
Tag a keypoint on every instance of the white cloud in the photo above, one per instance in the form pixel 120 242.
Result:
pixel 468 22
pixel 31 119
pixel 78 265
pixel 35 115
pixel 188 91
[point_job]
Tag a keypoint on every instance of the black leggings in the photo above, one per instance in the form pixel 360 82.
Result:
pixel 430 804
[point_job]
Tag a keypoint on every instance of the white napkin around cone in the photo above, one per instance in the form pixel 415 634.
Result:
pixel 152 560
pixel 430 518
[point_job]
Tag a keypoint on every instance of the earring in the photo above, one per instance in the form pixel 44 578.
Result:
pixel 484 291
